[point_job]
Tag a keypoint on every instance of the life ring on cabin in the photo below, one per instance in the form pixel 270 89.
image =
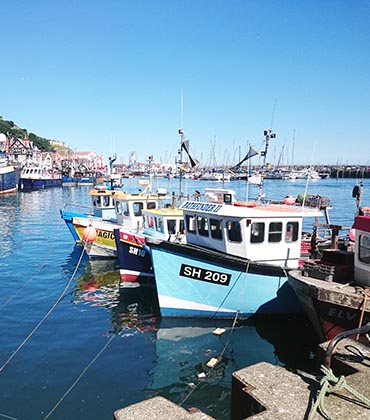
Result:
pixel 289 200
pixel 245 203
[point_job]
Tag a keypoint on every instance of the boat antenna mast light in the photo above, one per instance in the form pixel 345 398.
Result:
pixel 268 135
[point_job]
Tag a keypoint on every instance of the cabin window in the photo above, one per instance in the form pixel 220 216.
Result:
pixel 257 232
pixel 150 205
pixel 106 201
pixel 138 207
pixel 216 231
pixel 190 223
pixel 202 226
pixel 291 234
pixel 159 224
pixel 119 208
pixel 275 231
pixel 181 226
pixel 227 198
pixel 234 232
pixel 364 249
pixel 97 201
pixel 171 226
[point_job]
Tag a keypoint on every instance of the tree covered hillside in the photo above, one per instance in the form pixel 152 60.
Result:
pixel 9 128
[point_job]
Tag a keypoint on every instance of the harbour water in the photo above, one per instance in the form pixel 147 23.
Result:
pixel 73 346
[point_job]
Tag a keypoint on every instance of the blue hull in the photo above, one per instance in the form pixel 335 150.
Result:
pixel 202 283
pixel 9 181
pixel 38 184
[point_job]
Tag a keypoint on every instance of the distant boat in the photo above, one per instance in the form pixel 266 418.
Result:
pixel 255 179
pixel 37 176
pixel 216 176
pixel 9 176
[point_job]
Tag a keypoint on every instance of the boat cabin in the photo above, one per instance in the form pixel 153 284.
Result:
pixel 165 223
pixel 362 250
pixel 264 233
pixel 129 207
pixel 103 203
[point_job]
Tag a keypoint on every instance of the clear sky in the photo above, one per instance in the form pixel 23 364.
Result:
pixel 107 76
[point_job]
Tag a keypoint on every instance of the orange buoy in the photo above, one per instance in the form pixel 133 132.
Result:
pixel 352 235
pixel 289 199
pixel 89 234
pixel 245 203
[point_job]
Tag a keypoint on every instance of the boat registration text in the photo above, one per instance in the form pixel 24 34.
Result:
pixel 205 275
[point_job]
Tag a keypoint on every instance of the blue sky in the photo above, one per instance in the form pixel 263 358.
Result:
pixel 107 76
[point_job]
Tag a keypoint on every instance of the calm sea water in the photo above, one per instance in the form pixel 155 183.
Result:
pixel 73 346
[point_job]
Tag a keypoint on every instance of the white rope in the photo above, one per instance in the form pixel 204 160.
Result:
pixel 228 339
pixel 43 265
pixel 79 377
pixel 61 296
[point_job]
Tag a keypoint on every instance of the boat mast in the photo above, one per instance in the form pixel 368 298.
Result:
pixel 268 135
pixel 182 138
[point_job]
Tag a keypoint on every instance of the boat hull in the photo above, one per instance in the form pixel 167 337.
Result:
pixel 103 245
pixel 194 282
pixel 134 259
pixel 9 177
pixel 332 307
pixel 68 216
pixel 29 184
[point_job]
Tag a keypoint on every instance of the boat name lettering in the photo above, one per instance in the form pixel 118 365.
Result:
pixel 136 251
pixel 213 208
pixel 341 314
pixel 105 235
pixel 205 275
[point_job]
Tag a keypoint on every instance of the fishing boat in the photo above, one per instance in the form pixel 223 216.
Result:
pixel 134 259
pixel 96 234
pixel 235 259
pixel 335 289
pixel 9 174
pixel 103 208
pixel 236 256
pixel 37 176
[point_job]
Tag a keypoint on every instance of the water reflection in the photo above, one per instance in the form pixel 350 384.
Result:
pixel 178 350
pixel 8 210
pixel 97 285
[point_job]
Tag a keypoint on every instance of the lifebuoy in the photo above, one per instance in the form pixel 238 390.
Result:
pixel 150 221
pixel 245 203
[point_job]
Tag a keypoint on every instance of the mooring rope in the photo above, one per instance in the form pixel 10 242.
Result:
pixel 366 294
pixel 232 329
pixel 61 296
pixel 79 377
pixel 43 265
pixel 330 384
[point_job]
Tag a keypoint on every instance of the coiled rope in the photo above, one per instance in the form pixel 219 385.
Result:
pixel 329 385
